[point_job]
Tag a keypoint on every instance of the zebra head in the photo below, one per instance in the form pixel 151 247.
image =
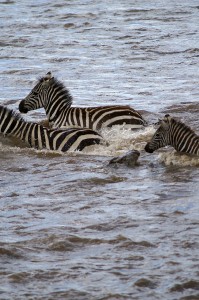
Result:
pixel 38 96
pixel 161 137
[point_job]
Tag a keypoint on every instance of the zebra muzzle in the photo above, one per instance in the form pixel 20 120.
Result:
pixel 148 149
pixel 22 109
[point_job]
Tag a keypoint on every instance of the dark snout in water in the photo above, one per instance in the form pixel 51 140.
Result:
pixel 22 109
pixel 129 159
pixel 147 148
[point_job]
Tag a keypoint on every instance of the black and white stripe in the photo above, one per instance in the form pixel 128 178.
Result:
pixel 40 137
pixel 174 133
pixel 56 100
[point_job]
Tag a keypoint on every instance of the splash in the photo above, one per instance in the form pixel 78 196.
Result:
pixel 119 139
pixel 177 159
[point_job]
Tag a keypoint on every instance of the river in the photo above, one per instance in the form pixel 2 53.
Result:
pixel 71 226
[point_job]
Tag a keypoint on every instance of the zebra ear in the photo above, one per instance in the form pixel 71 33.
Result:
pixel 167 116
pixel 164 124
pixel 47 79
pixel 48 75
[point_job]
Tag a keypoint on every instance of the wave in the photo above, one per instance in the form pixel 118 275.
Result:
pixel 121 140
pixel 178 159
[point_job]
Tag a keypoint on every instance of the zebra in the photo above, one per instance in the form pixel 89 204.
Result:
pixel 57 100
pixel 174 133
pixel 40 137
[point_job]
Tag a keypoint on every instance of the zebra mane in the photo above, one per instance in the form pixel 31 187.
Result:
pixel 183 125
pixel 59 85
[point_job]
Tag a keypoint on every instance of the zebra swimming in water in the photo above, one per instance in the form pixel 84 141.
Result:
pixel 174 133
pixel 56 100
pixel 40 137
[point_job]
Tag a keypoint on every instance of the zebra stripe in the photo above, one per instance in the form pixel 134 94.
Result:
pixel 40 137
pixel 174 133
pixel 56 100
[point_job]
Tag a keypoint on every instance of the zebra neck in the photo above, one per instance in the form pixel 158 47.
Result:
pixel 184 140
pixel 54 111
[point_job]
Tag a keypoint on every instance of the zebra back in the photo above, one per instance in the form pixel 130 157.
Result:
pixel 174 133
pixel 40 137
pixel 56 100
pixel 99 117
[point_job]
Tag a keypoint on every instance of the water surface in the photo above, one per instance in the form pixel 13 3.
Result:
pixel 73 227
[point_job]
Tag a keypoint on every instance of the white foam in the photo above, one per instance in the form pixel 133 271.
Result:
pixel 121 140
pixel 7 148
pixel 178 159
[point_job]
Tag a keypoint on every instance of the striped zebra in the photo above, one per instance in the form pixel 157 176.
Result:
pixel 174 133
pixel 56 100
pixel 40 137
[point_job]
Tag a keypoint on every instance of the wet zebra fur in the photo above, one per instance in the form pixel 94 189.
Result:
pixel 56 100
pixel 40 137
pixel 174 133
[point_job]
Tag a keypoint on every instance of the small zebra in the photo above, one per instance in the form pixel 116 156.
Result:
pixel 174 133
pixel 40 137
pixel 56 100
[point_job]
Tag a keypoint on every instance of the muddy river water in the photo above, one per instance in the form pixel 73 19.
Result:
pixel 71 226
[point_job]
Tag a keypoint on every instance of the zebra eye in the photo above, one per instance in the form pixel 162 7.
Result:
pixel 35 93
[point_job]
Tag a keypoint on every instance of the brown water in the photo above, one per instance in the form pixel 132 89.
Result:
pixel 71 226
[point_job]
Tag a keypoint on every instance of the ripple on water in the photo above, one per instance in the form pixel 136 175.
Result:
pixel 190 285
pixel 130 244
pixel 145 282
pixel 12 253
